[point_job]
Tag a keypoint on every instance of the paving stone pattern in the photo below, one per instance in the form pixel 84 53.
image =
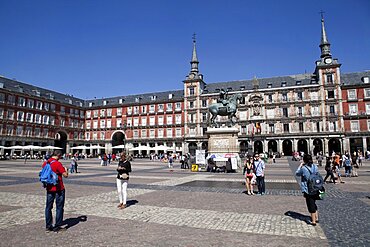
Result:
pixel 150 221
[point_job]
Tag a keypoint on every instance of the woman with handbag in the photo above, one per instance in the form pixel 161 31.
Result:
pixel 249 175
pixel 123 169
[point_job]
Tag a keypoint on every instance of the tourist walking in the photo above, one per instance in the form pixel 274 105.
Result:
pixel 305 169
pixel 347 164
pixel 249 168
pixel 72 165
pixel 123 169
pixel 55 192
pixel 355 167
pixel 319 158
pixel 170 161
pixel 336 171
pixel 259 166
pixel 329 170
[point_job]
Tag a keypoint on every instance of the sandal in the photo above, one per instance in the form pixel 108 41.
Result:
pixel 120 205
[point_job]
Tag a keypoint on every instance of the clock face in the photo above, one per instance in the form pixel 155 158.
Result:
pixel 328 60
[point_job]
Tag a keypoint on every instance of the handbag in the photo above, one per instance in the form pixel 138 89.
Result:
pixel 124 176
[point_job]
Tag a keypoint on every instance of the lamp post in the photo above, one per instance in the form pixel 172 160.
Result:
pixel 125 127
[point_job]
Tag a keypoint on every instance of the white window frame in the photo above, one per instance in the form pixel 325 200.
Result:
pixel 354 124
pixel 353 109
pixel 143 121
pixel 169 119
pixel 352 94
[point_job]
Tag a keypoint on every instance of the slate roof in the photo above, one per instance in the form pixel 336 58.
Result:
pixel 347 79
pixel 276 82
pixel 145 98
pixel 31 90
pixel 356 78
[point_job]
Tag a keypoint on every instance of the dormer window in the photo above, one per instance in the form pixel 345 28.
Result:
pixel 365 79
pixel 137 99
pixel 298 83
pixel 120 101
pixel 51 96
pixel 283 84
pixel 1 85
pixel 153 97
pixel 105 102
pixel 170 96
pixel 242 87
pixel 269 85
pixel 91 104
pixel 37 93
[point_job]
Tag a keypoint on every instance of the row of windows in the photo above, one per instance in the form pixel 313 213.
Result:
pixel 30 117
pixel 352 93
pixel 353 109
pixel 142 121
pixel 160 133
pixel 19 130
pixel 38 105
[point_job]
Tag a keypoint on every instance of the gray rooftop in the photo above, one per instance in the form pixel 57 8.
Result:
pixel 347 79
pixel 31 90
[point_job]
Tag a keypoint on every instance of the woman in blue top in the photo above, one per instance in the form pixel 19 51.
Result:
pixel 304 171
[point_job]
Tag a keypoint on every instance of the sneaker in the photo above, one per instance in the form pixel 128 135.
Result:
pixel 248 193
pixel 49 229
pixel 60 229
pixel 263 193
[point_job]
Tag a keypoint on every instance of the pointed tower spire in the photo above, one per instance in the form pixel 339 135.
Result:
pixel 194 60
pixel 324 45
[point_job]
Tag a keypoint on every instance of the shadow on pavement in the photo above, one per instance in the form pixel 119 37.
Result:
pixel 298 216
pixel 70 222
pixel 131 202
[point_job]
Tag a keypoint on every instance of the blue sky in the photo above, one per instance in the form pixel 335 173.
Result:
pixel 110 48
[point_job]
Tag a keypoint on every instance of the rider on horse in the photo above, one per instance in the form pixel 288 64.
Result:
pixel 223 99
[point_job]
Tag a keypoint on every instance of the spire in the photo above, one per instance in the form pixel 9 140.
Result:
pixel 194 60
pixel 324 45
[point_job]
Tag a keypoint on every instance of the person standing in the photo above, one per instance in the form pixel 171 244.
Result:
pixel 249 175
pixel 259 166
pixel 55 192
pixel 305 169
pixel 123 169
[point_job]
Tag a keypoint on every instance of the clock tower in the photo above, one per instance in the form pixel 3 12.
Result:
pixel 193 88
pixel 328 77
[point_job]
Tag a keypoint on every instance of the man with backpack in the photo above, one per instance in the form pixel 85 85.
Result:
pixel 54 190
pixel 311 185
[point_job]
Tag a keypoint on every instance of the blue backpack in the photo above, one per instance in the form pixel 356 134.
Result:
pixel 47 176
pixel 315 182
pixel 347 162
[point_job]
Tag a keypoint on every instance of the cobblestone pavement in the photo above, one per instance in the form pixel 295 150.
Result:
pixel 180 208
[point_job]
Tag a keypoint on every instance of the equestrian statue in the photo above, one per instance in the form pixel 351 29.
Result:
pixel 225 106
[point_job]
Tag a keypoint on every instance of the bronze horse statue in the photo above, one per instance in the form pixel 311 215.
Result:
pixel 229 109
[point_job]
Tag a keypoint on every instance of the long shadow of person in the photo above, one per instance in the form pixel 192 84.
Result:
pixel 70 222
pixel 131 202
pixel 298 216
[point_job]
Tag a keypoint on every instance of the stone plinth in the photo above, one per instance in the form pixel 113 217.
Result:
pixel 223 140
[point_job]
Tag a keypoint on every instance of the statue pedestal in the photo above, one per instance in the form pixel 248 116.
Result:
pixel 223 140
